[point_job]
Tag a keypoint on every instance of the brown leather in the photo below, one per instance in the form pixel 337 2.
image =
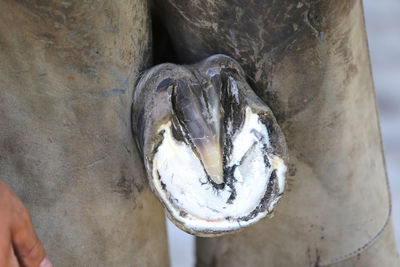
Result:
pixel 381 253
pixel 67 71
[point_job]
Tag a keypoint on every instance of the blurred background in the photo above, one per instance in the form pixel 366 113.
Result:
pixel 383 30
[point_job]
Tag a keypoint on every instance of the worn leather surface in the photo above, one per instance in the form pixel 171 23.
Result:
pixel 308 60
pixel 381 253
pixel 67 71
pixel 66 74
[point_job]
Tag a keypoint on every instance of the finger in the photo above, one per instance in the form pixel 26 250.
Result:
pixel 7 256
pixel 14 260
pixel 27 246
pixel 46 263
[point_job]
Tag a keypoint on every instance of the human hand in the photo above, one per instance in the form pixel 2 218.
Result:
pixel 19 244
